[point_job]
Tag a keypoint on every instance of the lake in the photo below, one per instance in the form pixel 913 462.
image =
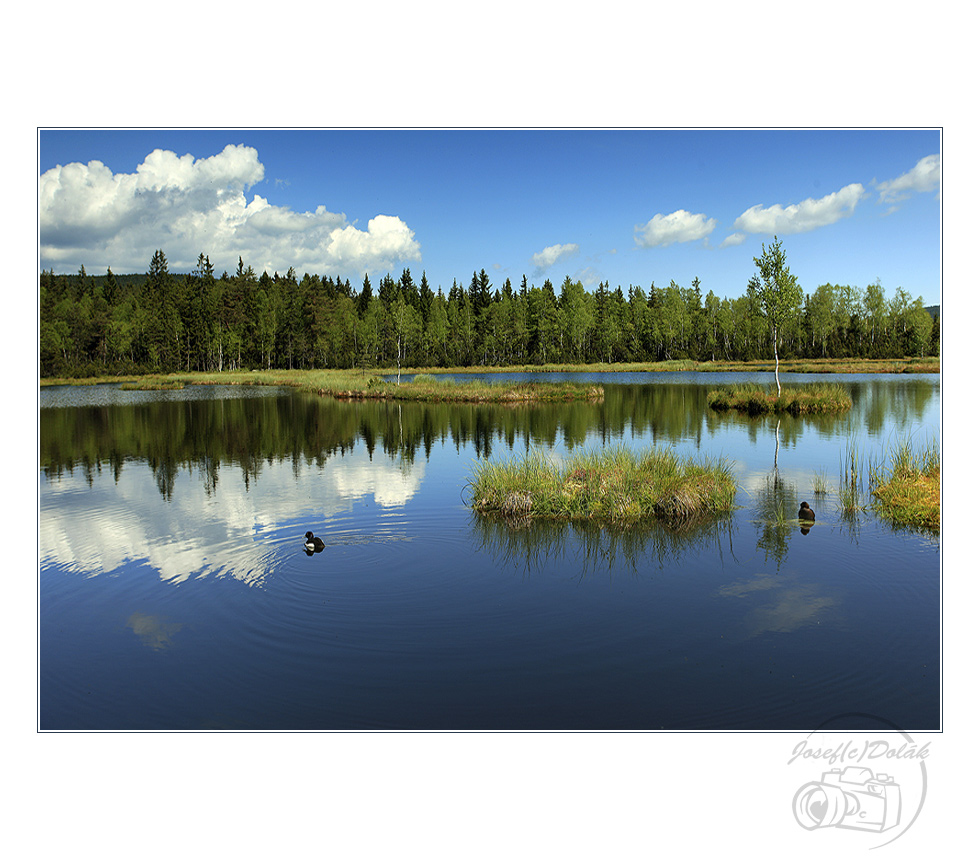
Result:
pixel 175 592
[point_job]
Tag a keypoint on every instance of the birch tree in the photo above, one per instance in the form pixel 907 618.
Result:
pixel 778 293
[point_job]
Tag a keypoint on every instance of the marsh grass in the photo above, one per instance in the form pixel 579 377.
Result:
pixel 369 385
pixel 613 485
pixel 902 483
pixel 820 484
pixel 811 399
pixel 428 388
pixel 851 485
pixel 907 485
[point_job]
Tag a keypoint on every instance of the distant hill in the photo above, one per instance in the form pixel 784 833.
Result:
pixel 934 310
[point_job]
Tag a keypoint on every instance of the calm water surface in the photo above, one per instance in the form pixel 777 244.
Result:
pixel 175 592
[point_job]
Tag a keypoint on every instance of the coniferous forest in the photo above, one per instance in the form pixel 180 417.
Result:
pixel 165 322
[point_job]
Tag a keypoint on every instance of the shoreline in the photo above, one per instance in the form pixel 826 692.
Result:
pixel 291 377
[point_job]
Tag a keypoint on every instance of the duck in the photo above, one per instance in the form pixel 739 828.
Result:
pixel 314 544
pixel 806 513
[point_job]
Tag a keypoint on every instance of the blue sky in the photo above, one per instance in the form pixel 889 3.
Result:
pixel 628 207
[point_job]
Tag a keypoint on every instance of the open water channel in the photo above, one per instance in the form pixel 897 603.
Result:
pixel 175 593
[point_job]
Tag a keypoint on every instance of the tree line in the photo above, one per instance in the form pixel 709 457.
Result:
pixel 166 322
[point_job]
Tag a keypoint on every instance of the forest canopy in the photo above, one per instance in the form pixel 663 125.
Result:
pixel 163 322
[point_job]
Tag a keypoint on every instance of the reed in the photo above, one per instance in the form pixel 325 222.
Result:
pixel 613 485
pixel 821 484
pixel 811 399
pixel 851 487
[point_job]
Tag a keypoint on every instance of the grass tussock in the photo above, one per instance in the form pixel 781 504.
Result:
pixel 821 484
pixel 907 487
pixel 812 399
pixel 611 485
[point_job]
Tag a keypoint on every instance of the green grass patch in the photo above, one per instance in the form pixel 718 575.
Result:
pixel 812 399
pixel 613 485
pixel 907 487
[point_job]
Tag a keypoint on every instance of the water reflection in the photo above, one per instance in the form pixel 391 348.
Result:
pixel 420 614
pixel 155 632
pixel 793 604
pixel 589 549
pixel 776 519
pixel 97 523
pixel 208 435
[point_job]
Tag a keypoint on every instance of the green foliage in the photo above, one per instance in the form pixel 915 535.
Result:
pixel 778 293
pixel 161 321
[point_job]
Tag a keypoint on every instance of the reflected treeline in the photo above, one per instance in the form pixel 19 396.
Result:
pixel 589 549
pixel 203 435
pixel 878 404
pixel 898 405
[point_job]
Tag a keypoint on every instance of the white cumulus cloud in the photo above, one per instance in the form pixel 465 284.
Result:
pixel 545 259
pixel 927 175
pixel 88 215
pixel 679 226
pixel 732 240
pixel 801 217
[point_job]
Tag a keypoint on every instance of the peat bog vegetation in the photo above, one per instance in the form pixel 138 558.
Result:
pixel 798 400
pixel 908 486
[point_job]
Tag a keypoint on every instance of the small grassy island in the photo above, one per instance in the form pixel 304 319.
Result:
pixel 425 387
pixel 755 399
pixel 153 385
pixel 909 492
pixel 366 385
pixel 612 485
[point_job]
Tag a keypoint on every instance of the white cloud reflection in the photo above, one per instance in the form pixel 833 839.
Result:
pixel 237 530
pixel 793 604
